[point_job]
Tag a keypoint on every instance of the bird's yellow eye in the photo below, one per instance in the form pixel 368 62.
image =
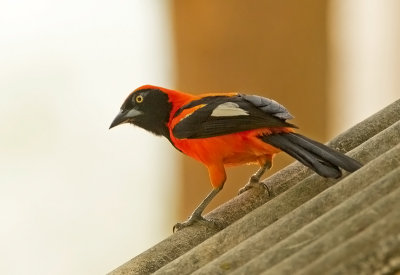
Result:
pixel 139 99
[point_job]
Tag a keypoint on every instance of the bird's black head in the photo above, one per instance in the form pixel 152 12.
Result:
pixel 147 107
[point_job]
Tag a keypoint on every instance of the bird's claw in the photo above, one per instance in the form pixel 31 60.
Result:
pixel 254 183
pixel 180 225
pixel 194 220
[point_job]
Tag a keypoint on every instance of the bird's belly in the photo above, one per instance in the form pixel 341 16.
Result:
pixel 233 149
pixel 238 158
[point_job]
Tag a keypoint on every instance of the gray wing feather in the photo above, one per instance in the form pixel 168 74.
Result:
pixel 268 106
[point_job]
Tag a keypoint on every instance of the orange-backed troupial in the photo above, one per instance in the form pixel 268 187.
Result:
pixel 227 129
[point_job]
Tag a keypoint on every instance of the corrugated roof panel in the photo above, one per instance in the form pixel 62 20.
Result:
pixel 309 225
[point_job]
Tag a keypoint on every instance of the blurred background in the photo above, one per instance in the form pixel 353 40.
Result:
pixel 76 198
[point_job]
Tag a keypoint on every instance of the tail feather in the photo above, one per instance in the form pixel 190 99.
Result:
pixel 347 163
pixel 323 160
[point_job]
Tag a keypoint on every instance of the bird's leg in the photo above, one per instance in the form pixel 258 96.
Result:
pixel 217 177
pixel 255 179
pixel 196 215
pixel 257 176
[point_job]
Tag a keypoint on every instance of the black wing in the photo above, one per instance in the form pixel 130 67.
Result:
pixel 223 115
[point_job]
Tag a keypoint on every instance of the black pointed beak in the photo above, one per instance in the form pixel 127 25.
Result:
pixel 119 119
pixel 124 116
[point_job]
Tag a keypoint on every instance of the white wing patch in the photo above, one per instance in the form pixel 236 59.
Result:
pixel 229 109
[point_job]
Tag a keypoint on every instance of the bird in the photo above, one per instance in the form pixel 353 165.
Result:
pixel 227 129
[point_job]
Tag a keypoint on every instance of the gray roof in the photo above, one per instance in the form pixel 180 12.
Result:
pixel 308 225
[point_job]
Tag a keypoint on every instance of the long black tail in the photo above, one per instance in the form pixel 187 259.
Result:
pixel 323 160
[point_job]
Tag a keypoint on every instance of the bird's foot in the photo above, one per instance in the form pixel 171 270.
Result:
pixel 194 219
pixel 254 182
